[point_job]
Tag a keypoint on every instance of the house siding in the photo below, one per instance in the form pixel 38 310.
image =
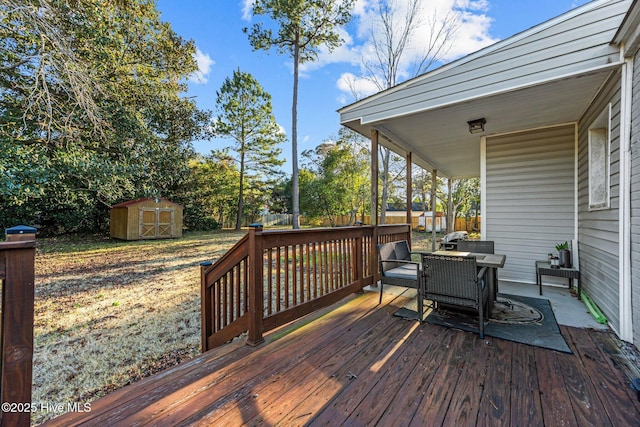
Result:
pixel 544 53
pixel 635 200
pixel 598 230
pixel 519 169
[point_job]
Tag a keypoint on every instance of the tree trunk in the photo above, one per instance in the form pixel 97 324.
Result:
pixel 295 192
pixel 240 193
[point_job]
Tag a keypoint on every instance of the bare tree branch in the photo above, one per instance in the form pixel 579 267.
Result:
pixel 391 37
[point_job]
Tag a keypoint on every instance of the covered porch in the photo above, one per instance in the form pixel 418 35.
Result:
pixel 354 363
pixel 520 115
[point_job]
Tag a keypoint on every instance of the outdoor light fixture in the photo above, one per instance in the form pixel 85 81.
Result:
pixel 476 126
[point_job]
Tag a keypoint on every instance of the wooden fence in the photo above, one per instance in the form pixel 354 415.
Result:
pixel 271 277
pixel 17 260
pixel 470 225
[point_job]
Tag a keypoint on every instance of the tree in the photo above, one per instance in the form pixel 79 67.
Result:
pixel 210 192
pixel 397 55
pixel 465 197
pixel 336 181
pixel 90 109
pixel 245 116
pixel 304 26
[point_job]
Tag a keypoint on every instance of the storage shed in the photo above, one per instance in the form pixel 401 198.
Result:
pixel 146 218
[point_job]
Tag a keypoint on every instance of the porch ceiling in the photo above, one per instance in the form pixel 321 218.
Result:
pixel 439 137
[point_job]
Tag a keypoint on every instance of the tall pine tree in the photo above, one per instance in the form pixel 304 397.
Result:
pixel 245 115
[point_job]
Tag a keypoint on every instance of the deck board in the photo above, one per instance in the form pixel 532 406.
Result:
pixel 525 390
pixel 357 364
pixel 494 409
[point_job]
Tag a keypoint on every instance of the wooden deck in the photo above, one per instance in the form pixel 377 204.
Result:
pixel 356 364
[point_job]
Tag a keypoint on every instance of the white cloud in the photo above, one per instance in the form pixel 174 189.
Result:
pixel 356 87
pixel 205 63
pixel 472 34
pixel 247 9
pixel 341 54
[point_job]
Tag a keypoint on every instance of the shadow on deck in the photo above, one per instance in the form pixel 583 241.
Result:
pixel 356 364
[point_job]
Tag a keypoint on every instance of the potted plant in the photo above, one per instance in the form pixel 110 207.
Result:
pixel 564 254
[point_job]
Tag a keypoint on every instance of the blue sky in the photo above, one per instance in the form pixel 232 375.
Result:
pixel 216 27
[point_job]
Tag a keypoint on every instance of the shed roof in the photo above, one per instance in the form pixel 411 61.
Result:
pixel 546 75
pixel 142 200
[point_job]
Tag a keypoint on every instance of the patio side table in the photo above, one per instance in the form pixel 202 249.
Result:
pixel 543 268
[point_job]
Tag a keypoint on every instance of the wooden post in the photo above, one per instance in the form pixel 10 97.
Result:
pixel 374 177
pixel 256 286
pixel 451 222
pixel 374 204
pixel 206 307
pixel 409 195
pixel 358 268
pixel 434 184
pixel 17 261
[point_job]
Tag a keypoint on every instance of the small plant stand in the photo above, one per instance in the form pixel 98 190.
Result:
pixel 543 268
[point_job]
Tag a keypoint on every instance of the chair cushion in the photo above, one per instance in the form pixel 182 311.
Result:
pixel 401 250
pixel 405 271
pixel 398 250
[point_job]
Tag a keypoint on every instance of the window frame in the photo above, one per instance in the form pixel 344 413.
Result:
pixel 599 158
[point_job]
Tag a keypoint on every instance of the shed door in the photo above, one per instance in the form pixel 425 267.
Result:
pixel 156 223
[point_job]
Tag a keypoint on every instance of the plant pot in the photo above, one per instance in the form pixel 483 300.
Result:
pixel 565 258
pixel 555 262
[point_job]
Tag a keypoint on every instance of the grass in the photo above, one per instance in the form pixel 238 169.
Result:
pixel 108 312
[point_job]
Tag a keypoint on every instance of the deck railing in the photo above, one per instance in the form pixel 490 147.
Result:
pixel 17 259
pixel 270 278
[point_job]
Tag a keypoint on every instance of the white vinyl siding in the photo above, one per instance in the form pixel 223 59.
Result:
pixel 635 201
pixel 598 231
pixel 530 196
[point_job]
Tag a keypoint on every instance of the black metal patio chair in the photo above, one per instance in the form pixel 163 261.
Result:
pixel 476 246
pixel 456 281
pixel 397 268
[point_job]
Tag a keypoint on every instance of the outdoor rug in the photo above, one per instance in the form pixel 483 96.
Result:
pixel 515 318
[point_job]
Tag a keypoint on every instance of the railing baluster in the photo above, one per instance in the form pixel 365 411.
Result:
pixel 278 279
pixel 334 264
pixel 286 277
pixel 294 275
pixel 270 281
pixel 310 271
pixel 325 269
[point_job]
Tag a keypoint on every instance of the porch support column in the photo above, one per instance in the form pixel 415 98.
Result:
pixel 373 255
pixel 451 221
pixel 374 177
pixel 434 182
pixel 624 219
pixel 409 195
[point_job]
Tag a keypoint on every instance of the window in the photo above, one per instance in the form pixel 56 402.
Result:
pixel 599 162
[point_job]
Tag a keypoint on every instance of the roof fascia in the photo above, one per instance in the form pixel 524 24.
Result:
pixel 628 34
pixel 612 65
